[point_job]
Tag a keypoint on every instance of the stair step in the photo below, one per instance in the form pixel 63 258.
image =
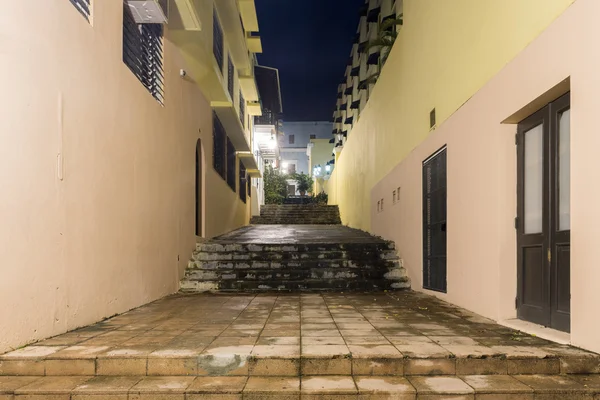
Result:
pixel 355 247
pixel 310 386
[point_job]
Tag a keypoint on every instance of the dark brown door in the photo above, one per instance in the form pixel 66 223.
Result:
pixel 434 222
pixel 198 188
pixel 543 216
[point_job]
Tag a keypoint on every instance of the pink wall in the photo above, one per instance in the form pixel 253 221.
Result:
pixel 116 232
pixel 482 179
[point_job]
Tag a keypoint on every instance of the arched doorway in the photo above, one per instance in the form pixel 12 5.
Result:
pixel 199 162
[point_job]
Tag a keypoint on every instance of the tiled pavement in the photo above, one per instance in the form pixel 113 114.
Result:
pixel 401 345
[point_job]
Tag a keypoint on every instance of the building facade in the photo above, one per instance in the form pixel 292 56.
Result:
pixel 294 143
pixel 121 142
pixel 474 154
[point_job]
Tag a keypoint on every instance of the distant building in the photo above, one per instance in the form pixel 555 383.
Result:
pixel 294 143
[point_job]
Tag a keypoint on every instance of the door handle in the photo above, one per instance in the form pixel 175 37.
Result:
pixel 549 255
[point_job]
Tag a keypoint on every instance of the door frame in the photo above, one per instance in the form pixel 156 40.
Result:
pixel 548 313
pixel 199 180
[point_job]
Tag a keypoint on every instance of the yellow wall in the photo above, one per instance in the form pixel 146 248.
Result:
pixel 117 230
pixel 445 52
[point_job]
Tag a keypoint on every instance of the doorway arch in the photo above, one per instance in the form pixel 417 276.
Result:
pixel 199 189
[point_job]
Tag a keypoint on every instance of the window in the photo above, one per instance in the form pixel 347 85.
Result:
pixel 219 138
pixel 313 136
pixel 230 76
pixel 243 179
pixel 83 6
pixel 142 53
pixel 292 139
pixel 230 165
pixel 242 110
pixel 218 46
pixel 249 186
pixel 394 197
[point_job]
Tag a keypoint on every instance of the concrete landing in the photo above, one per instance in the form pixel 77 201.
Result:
pixel 297 234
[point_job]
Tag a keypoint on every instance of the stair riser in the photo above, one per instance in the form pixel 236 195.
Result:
pixel 297 257
pixel 293 248
pixel 314 273
pixel 292 265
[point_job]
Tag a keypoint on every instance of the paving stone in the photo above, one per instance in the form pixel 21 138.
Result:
pixel 498 387
pixel 272 388
pixel 51 387
pixel 481 366
pixel 544 366
pixel 397 388
pixel 314 388
pixel 555 387
pixel 101 387
pixel 8 384
pixel 441 387
pixel 439 366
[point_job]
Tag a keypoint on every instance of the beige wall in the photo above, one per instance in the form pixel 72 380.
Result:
pixel 482 179
pixel 117 231
pixel 445 52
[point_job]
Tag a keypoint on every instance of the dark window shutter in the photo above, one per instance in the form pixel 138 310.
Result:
pixel 242 110
pixel 230 76
pixel 231 165
pixel 83 6
pixel 218 45
pixel 218 146
pixel 143 53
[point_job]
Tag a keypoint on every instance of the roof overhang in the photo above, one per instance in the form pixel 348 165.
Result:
pixel 254 108
pixel 249 16
pixel 248 85
pixel 184 16
pixel 249 161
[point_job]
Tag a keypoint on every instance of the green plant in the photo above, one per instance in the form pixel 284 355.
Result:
pixel 321 198
pixel 385 41
pixel 275 186
pixel 304 182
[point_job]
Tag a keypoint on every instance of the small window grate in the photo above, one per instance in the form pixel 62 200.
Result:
pixel 230 76
pixel 432 118
pixel 231 165
pixel 249 186
pixel 219 137
pixel 143 53
pixel 243 185
pixel 218 44
pixel 242 110
pixel 83 6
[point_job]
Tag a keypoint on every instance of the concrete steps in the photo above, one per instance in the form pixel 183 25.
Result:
pixel 369 266
pixel 400 345
pixel 298 214
pixel 305 387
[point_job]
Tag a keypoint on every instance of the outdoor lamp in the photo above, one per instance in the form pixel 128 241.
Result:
pixel 328 168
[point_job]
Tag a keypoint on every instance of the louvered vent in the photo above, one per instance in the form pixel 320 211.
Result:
pixel 83 6
pixel 143 53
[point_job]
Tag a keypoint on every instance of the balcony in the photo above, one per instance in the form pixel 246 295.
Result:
pixel 248 14
pixel 184 16
pixel 254 42
pixel 373 15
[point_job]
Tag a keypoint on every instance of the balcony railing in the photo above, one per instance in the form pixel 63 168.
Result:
pixel 268 118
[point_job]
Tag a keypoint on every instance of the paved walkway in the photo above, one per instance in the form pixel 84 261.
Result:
pixel 309 345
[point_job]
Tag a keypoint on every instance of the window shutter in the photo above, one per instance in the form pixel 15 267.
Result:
pixel 83 6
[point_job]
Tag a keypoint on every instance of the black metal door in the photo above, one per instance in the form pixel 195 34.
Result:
pixel 543 216
pixel 434 222
pixel 198 188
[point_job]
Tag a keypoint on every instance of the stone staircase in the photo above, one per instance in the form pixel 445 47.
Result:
pixel 250 267
pixel 297 214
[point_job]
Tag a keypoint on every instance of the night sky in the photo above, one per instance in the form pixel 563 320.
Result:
pixel 309 41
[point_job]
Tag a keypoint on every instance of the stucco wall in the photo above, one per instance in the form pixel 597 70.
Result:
pixel 117 230
pixel 482 179
pixel 445 52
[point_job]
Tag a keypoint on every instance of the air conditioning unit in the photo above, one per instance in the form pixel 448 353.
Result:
pixel 149 11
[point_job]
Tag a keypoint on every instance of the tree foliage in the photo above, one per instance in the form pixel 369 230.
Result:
pixel 388 33
pixel 275 186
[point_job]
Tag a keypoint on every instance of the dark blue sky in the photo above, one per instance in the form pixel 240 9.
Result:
pixel 309 41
